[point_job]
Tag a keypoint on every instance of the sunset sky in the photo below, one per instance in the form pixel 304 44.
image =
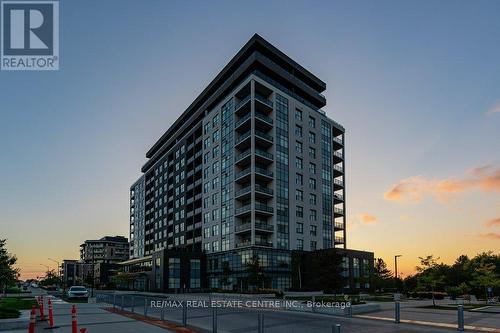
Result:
pixel 416 85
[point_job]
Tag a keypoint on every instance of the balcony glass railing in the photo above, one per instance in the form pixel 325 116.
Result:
pixel 264 118
pixel 243 173
pixel 263 189
pixel 339 239
pixel 338 168
pixel 264 226
pixel 243 137
pixel 243 227
pixel 264 100
pixel 338 210
pixel 243 191
pixel 243 243
pixel 242 155
pixel 263 243
pixel 264 135
pixel 243 209
pixel 338 140
pixel 338 182
pixel 242 120
pixel 263 171
pixel 240 103
pixel 337 154
pixel 338 196
pixel 264 154
pixel 339 225
pixel 263 207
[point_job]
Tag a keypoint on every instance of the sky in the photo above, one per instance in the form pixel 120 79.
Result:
pixel 416 84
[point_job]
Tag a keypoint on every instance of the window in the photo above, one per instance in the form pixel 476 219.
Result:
pixel 215 230
pixel 300 228
pixel 298 131
pixel 300 244
pixel 174 273
pixel 298 147
pixel 195 274
pixel 299 195
pixel 206 187
pixel 314 230
pixel 207 128
pixel 206 157
pixel 299 180
pixel 215 167
pixel 216 136
pixel 298 115
pixel 299 211
pixel 298 163
pixel 225 244
pixel 215 152
pixel 206 218
pixel 215 198
pixel 206 232
pixel 312 152
pixel 206 143
pixel 312 183
pixel 205 202
pixel 312 137
pixel 215 246
pixel 312 199
pixel 207 247
pixel 312 122
pixel 215 183
pixel 215 214
pixel 312 168
pixel 225 228
pixel 313 215
pixel 216 120
pixel 313 245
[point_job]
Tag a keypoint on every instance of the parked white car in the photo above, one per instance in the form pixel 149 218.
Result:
pixel 34 285
pixel 78 292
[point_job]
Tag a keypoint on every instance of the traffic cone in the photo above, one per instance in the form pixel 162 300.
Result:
pixel 51 316
pixel 42 309
pixel 83 330
pixel 74 324
pixel 31 326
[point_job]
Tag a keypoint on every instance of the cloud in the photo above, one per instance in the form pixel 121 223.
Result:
pixel 368 219
pixel 413 189
pixel 493 223
pixel 495 108
pixel 490 235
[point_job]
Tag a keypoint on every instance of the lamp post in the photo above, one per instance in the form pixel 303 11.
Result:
pixel 396 270
pixel 58 270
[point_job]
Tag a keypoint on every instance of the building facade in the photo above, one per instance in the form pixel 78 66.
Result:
pixel 253 167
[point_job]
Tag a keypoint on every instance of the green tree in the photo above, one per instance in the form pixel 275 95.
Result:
pixel 381 276
pixel 430 275
pixel 8 273
pixel 255 271
pixel 485 276
pixel 50 279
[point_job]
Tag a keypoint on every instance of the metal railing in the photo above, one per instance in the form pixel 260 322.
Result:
pixel 243 137
pixel 242 120
pixel 263 171
pixel 240 103
pixel 242 155
pixel 243 191
pixel 263 207
pixel 243 209
pixel 263 189
pixel 264 154
pixel 338 182
pixel 264 118
pixel 243 172
pixel 264 135
pixel 264 100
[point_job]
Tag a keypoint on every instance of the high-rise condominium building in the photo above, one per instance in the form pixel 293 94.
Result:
pixel 254 166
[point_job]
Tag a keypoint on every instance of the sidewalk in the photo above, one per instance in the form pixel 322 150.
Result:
pixel 94 319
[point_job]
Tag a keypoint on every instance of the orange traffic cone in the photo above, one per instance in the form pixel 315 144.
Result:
pixel 74 324
pixel 31 326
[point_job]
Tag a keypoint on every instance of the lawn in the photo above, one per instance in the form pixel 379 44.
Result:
pixel 10 306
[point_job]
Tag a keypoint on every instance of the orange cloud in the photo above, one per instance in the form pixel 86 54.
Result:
pixel 413 189
pixel 368 219
pixel 490 235
pixel 493 223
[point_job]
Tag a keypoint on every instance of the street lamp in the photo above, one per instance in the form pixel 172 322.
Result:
pixel 396 270
pixel 58 269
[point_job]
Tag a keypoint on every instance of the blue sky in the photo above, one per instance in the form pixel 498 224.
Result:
pixel 412 82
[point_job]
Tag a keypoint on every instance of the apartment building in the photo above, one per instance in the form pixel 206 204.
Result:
pixel 253 167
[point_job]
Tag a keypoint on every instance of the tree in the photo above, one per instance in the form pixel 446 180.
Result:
pixel 8 274
pixel 485 276
pixel 50 279
pixel 255 272
pixel 326 268
pixel 381 274
pixel 430 275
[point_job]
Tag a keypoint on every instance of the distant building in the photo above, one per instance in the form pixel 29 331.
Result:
pixel 69 272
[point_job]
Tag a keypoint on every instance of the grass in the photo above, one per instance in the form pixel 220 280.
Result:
pixel 10 306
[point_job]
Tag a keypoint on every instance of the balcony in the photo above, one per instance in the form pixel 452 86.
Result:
pixel 338 225
pixel 263 208
pixel 263 156
pixel 264 227
pixel 263 173
pixel 263 243
pixel 244 210
pixel 264 191
pixel 243 140
pixel 239 105
pixel 338 156
pixel 243 157
pixel 243 243
pixel 263 120
pixel 339 240
pixel 338 170
pixel 242 175
pixel 338 196
pixel 244 193
pixel 242 121
pixel 337 141
pixel 264 101
pixel 243 227
pixel 263 138
pixel 338 211
pixel 338 182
